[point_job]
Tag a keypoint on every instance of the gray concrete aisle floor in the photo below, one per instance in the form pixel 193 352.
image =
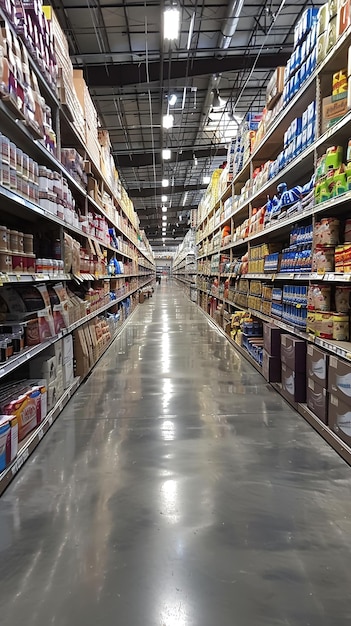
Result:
pixel 177 489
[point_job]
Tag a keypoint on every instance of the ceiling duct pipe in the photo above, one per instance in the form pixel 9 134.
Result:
pixel 230 25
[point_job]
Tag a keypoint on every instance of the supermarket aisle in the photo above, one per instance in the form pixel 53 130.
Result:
pixel 177 489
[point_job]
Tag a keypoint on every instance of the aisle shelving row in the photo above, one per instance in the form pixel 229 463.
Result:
pixel 273 245
pixel 70 280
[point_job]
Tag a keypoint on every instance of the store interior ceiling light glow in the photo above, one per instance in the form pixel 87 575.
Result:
pixel 172 99
pixel 167 121
pixel 166 154
pixel 165 182
pixel 171 23
pixel 164 209
pixel 163 198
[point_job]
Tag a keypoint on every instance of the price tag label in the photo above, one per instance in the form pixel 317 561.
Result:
pixel 50 420
pixel 40 434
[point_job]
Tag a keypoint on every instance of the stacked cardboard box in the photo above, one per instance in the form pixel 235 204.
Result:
pixel 317 370
pixel 339 387
pixel 90 117
pixel 271 363
pixel 293 357
pixel 67 93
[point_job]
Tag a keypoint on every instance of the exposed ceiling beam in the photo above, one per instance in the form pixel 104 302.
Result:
pixel 142 160
pixel 118 75
pixel 147 192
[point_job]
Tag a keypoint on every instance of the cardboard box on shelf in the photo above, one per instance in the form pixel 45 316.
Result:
pixel 339 418
pixel 293 353
pixel 317 400
pixel 339 379
pixel 67 349
pixel 332 111
pixel 271 367
pixel 271 336
pixel 293 384
pixel 275 87
pixel 68 373
pixel 317 365
pixel 81 353
pixel 43 367
pixel 52 396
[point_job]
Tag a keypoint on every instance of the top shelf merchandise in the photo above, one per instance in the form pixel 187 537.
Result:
pixel 273 234
pixel 72 255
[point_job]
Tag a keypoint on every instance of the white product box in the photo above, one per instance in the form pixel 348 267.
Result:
pixel 52 396
pixel 68 374
pixel 67 351
pixel 40 368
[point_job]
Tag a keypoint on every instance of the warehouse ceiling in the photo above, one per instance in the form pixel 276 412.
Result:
pixel 225 49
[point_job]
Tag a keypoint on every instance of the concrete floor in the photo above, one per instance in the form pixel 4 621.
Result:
pixel 177 489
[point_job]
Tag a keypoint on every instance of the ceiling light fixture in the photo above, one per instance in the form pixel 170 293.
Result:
pixel 163 239
pixel 185 198
pixel 167 121
pixel 165 182
pixel 172 99
pixel 164 218
pixel 171 23
pixel 217 102
pixel 206 179
pixel 166 154
pixel 163 198
pixel 164 209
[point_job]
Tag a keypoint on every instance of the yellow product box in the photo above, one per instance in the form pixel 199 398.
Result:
pixel 333 111
pixel 339 84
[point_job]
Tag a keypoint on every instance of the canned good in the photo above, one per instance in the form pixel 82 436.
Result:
pixel 5 262
pixel 341 327
pixel 342 299
pixel 14 241
pixel 324 324
pixel 28 243
pixel 3 238
pixel 20 242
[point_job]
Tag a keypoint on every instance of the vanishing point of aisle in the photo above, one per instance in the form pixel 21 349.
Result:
pixel 177 489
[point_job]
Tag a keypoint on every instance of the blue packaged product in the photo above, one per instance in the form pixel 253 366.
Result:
pixel 286 138
pixel 5 444
pixel 304 139
pixel 310 133
pixel 287 71
pixel 311 112
pixel 297 82
pixel 304 120
pixel 303 72
pixel 281 161
pixel 298 144
pixel 303 52
pixel 296 127
pixel 309 18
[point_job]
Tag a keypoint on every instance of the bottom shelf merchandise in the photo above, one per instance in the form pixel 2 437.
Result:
pixel 41 386
pixel 315 378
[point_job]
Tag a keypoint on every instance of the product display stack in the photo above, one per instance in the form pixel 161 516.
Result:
pixel 274 248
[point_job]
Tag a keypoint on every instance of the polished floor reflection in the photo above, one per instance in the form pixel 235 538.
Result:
pixel 177 489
